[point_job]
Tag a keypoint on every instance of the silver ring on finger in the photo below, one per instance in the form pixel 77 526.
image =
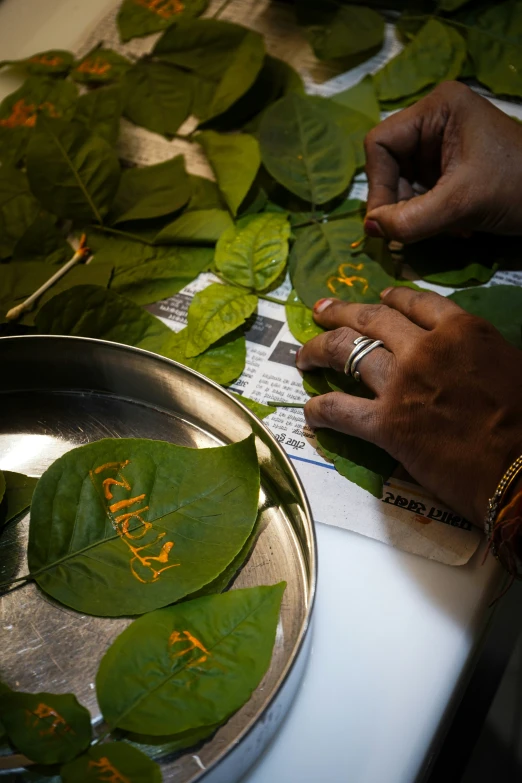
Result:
pixel 363 347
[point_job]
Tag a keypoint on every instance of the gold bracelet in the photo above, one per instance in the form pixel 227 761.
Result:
pixel 495 502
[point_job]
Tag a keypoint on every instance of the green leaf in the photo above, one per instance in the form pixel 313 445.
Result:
pixel 352 30
pixel 124 526
pixel 235 160
pixel 121 762
pixel 46 727
pixel 353 124
pixel 501 305
pixel 52 62
pixel 2 485
pixel 495 43
pixel 214 312
pixel 16 496
pixel 75 174
pixel 100 111
pixel 225 57
pixel 100 66
pixel 361 98
pixel 43 241
pixel 300 320
pixel 204 225
pixel 223 362
pixel 260 410
pixel 18 209
pixel 357 460
pixel 210 654
pixel 321 265
pixel 437 53
pixel 253 253
pixel 304 151
pixel 151 191
pixel 20 280
pixel 157 96
pixel 205 194
pixel 142 17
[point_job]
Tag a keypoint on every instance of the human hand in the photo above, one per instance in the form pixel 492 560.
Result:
pixel 463 151
pixel 448 391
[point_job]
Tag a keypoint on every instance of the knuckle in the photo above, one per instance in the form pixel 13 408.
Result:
pixel 369 314
pixel 336 346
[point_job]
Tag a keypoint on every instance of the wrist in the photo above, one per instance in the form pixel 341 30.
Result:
pixel 497 467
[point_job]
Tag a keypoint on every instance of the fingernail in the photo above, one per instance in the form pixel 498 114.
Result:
pixel 373 229
pixel 297 358
pixel 386 292
pixel 322 304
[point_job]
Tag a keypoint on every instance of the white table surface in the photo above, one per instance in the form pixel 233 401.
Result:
pixel 393 633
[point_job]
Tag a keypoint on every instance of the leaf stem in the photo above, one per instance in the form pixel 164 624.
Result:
pixel 267 298
pixel 281 404
pixel 126 234
pixel 27 578
pixel 328 218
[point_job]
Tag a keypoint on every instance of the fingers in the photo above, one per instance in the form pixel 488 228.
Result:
pixel 424 308
pixel 344 413
pixel 332 349
pixel 373 320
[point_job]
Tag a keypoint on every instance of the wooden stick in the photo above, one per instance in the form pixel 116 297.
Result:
pixel 80 255
pixel 281 404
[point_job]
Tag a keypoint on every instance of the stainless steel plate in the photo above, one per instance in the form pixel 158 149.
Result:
pixel 59 392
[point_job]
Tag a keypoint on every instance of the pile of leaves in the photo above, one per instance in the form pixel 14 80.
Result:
pixel 125 527
pixel 283 162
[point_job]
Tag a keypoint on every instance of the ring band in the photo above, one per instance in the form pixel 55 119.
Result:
pixel 363 346
pixel 360 344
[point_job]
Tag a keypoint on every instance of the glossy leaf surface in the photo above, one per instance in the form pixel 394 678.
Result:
pixel 357 460
pixel 201 225
pixel 300 320
pixel 151 191
pixel 213 313
pixel 495 43
pixel 235 160
pixel 351 30
pixel 112 761
pixel 223 362
pixel 501 305
pixel 16 496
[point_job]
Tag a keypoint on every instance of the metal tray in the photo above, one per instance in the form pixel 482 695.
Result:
pixel 60 392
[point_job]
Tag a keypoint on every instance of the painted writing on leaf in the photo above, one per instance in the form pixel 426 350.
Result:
pixel 49 60
pixel 164 8
pixel 48 722
pixel 24 114
pixel 343 277
pixel 182 643
pixel 109 772
pixel 94 66
pixel 150 558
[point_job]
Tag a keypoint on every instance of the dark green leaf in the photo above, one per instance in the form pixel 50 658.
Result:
pixel 205 194
pixel 18 209
pixel 437 53
pixel 253 253
pixel 20 280
pixel 210 654
pixel 495 44
pixel 304 151
pixel 260 410
pixel 204 225
pixel 45 727
pixel 52 62
pixel 350 31
pixel 114 761
pixel 43 242
pixel 100 111
pixel 235 160
pixel 100 66
pixel 353 124
pixel 159 747
pixel 124 526
pixel 300 320
pixel 158 97
pixel 142 17
pixel 361 98
pixel 213 313
pixel 223 362
pixel 151 191
pixel 17 495
pixel 501 305
pixel 75 174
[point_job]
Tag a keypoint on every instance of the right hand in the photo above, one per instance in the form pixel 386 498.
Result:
pixel 463 152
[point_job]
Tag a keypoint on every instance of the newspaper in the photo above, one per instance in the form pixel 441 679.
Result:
pixel 407 517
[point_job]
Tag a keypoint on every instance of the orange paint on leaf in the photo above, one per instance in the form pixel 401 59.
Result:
pixel 345 279
pixel 96 66
pixel 126 503
pixel 164 8
pixel 193 643
pixel 23 115
pixel 49 60
pixel 104 767
pixel 55 727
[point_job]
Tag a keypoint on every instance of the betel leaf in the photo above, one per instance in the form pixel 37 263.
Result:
pixel 200 225
pixel 18 208
pixel 46 727
pixel 495 42
pixel 72 172
pixel 253 253
pixel 235 160
pixel 151 191
pixel 353 124
pixel 210 654
pixel 43 241
pixel 357 460
pixel 437 53
pixel 501 305
pixel 100 111
pixel 20 280
pixel 321 265
pixel 214 312
pixel 305 151
pixel 52 62
pixel 260 410
pixel 142 17
pixel 16 498
pixel 205 194
pixel 300 320
pixel 223 362
pixel 157 96
pixel 351 30
pixel 360 98
pixel 116 761
pixel 225 58
pixel 124 526
pixel 100 66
